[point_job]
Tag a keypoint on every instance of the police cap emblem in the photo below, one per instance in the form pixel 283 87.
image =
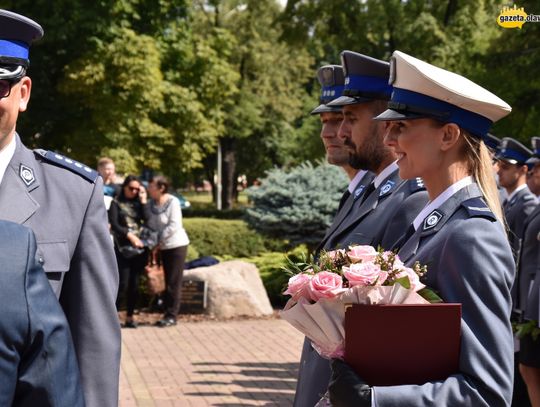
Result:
pixel 27 175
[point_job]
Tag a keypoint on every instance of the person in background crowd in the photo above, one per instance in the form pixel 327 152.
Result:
pixel 521 202
pixel 128 213
pixel 38 366
pixel 107 170
pixel 61 200
pixel 493 143
pixel 533 177
pixel 166 218
pixel 529 286
pixel 436 120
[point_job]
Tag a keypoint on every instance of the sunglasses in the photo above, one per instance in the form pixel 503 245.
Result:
pixel 5 87
pixel 134 189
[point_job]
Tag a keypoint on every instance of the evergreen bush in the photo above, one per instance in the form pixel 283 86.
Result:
pixel 220 237
pixel 297 205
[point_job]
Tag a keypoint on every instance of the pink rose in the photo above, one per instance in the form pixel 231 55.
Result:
pixel 299 286
pixel 325 285
pixel 362 253
pixel 414 280
pixel 364 274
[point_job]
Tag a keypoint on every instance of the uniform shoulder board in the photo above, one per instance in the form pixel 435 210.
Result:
pixel 416 184
pixel 528 197
pixel 74 166
pixel 476 207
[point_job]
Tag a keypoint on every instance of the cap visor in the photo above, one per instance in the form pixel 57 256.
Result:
pixel 347 100
pixel 533 160
pixel 326 109
pixel 505 159
pixel 390 114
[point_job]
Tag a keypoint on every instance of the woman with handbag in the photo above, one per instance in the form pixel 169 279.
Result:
pixel 166 217
pixel 127 215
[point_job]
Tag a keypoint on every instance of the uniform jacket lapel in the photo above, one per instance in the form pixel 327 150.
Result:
pixel 345 211
pixel 21 177
pixel 371 202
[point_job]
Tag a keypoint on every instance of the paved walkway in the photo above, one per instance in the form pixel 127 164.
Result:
pixel 234 363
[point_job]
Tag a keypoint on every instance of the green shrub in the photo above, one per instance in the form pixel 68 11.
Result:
pixel 212 212
pixel 274 278
pixel 297 205
pixel 218 237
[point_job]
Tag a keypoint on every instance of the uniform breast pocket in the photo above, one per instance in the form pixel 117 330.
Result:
pixel 54 258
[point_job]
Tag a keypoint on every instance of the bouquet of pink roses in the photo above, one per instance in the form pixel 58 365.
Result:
pixel 360 275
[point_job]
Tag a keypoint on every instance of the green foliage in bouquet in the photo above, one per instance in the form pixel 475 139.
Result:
pixel 297 205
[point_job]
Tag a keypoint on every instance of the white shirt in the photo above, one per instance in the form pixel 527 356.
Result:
pixel 385 173
pixel 513 194
pixel 6 154
pixel 442 198
pixel 356 180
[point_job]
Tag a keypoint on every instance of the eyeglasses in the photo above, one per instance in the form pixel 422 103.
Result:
pixel 5 87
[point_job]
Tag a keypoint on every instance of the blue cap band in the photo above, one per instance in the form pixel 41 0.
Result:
pixel 513 155
pixel 330 93
pixel 475 123
pixel 14 49
pixel 368 84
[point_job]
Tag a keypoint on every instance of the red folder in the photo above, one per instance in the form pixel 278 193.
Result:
pixel 390 345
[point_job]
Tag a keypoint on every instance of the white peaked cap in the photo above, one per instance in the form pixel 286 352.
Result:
pixel 419 89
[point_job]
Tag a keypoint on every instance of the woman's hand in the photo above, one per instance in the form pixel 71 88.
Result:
pixel 134 240
pixel 143 196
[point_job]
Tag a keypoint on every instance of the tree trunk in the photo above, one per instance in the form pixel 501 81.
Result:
pixel 228 153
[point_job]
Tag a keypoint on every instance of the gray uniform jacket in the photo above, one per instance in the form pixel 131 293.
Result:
pixel 66 211
pixel 470 262
pixel 381 219
pixel 384 216
pixel 344 213
pixel 516 211
pixel 38 366
pixel 529 267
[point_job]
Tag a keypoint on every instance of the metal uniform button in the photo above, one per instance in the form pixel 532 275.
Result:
pixel 41 260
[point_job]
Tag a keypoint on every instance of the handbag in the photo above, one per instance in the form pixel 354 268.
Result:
pixel 155 275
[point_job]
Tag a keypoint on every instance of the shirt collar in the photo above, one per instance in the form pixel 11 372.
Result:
pixel 356 180
pixel 385 174
pixel 514 193
pixel 6 154
pixel 442 198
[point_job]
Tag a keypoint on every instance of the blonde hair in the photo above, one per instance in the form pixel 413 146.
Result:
pixel 480 165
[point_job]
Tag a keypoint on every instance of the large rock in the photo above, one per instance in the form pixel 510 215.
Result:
pixel 235 289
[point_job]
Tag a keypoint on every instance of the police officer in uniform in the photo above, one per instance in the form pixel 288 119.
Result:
pixel 512 157
pixel 437 120
pixel 61 200
pixel 382 211
pixel 314 371
pixel 332 81
pixel 38 366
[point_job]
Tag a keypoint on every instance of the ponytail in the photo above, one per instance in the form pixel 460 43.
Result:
pixel 480 165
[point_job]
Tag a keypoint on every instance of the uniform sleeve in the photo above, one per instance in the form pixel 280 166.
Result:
pixel 48 370
pixel 475 269
pixel 174 221
pixel 88 298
